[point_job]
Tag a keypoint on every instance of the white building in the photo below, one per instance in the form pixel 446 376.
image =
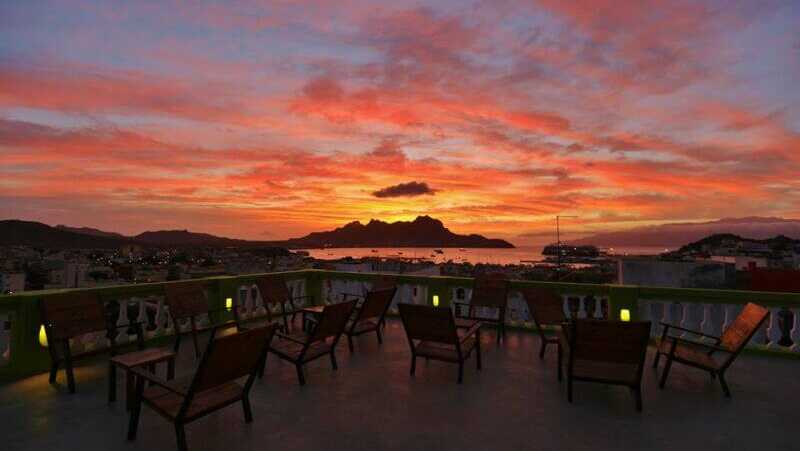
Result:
pixel 12 282
pixel 742 262
pixel 677 274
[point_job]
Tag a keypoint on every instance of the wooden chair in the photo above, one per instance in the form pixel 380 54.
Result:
pixel 370 315
pixel 311 314
pixel 717 356
pixel 212 387
pixel 302 347
pixel 273 291
pixel 489 292
pixel 546 309
pixel 607 352
pixel 188 301
pixel 432 333
pixel 70 315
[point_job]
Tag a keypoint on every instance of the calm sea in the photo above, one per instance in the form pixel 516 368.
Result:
pixel 494 256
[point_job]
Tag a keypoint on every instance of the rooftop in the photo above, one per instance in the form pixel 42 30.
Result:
pixel 371 403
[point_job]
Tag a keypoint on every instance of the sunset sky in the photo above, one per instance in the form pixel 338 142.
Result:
pixel 268 120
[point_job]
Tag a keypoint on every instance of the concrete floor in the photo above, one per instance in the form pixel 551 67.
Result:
pixel 372 403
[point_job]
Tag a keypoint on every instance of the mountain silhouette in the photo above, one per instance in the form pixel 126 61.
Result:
pixel 678 234
pixel 424 231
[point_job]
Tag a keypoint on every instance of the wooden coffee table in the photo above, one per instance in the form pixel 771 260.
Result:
pixel 146 358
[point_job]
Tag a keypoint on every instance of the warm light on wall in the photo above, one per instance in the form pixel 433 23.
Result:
pixel 435 300
pixel 625 314
pixel 228 304
pixel 42 337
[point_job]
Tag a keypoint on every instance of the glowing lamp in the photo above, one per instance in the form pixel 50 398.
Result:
pixel 625 314
pixel 435 300
pixel 42 337
pixel 229 304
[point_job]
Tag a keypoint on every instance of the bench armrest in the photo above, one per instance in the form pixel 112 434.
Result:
pixel 163 383
pixel 668 326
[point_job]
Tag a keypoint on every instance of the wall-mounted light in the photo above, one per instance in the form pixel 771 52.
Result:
pixel 42 337
pixel 625 314
pixel 435 300
pixel 229 304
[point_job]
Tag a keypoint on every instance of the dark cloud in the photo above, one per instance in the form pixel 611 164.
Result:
pixel 409 189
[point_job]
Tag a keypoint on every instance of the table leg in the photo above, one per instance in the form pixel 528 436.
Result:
pixel 130 388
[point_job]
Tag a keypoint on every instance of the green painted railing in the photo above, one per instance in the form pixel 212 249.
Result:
pixel 21 353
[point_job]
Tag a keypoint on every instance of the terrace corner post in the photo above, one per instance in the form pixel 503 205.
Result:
pixel 26 355
pixel 218 291
pixel 441 289
pixel 314 280
pixel 623 297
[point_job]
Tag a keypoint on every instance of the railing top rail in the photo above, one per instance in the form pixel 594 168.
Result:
pixel 712 296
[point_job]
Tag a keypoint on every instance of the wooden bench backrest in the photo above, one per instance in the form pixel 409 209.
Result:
pixel 736 336
pixel 186 300
pixel 333 320
pixel 428 323
pixel 69 315
pixel 490 290
pixel 377 303
pixel 545 306
pixel 610 341
pixel 232 357
pixel 383 283
pixel 273 290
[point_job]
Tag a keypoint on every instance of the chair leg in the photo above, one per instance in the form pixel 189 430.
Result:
pixel 542 349
pixel 460 372
pixel 112 382
pixel 560 362
pixel 171 369
pixel 54 370
pixel 667 367
pixel 333 361
pixel 180 435
pixel 248 412
pixel 724 385
pixel 478 353
pixel 569 388
pixel 263 367
pixel 133 422
pixel 378 333
pixel 413 364
pixel 68 367
pixel 637 393
pixel 655 361
pixel 350 343
pixel 300 376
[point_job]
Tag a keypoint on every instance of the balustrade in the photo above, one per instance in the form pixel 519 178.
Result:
pixel 709 311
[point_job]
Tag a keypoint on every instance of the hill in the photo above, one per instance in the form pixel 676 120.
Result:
pixel 678 234
pixel 424 231
pixel 36 234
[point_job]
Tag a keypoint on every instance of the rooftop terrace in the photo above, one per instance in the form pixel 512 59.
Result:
pixel 372 403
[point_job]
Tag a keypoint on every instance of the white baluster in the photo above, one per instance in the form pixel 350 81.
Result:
pixel 122 320
pixel 260 308
pixel 795 332
pixel 142 317
pixel 582 307
pixel 598 308
pixel 774 329
pixel 5 342
pixel 730 315
pixel 667 314
pixel 249 303
pixel 706 323
pixel 160 317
